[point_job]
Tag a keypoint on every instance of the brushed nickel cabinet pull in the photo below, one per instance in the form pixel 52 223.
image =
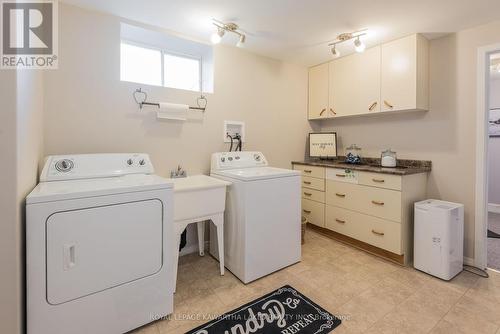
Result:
pixel 378 203
pixel 377 232
pixel 340 221
pixel 307 171
pixel 378 180
pixel 388 104
pixel 372 106
pixel 307 182
pixel 306 211
pixel 340 195
pixel 322 111
pixel 308 194
pixel 340 175
pixel 333 111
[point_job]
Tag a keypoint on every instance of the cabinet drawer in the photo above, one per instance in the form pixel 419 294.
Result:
pixel 313 183
pixel 342 175
pixel 383 203
pixel 386 181
pixel 372 230
pixel 315 195
pixel 382 234
pixel 342 221
pixel 312 171
pixel 314 212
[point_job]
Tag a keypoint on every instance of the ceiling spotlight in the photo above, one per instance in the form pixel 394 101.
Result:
pixel 359 46
pixel 241 41
pixel 229 27
pixel 335 53
pixel 217 36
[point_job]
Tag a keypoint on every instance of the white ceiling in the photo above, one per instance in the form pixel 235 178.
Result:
pixel 299 30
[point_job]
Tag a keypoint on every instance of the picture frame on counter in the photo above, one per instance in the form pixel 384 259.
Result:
pixel 323 145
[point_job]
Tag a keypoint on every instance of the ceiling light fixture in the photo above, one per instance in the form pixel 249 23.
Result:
pixel 335 53
pixel 229 27
pixel 358 44
pixel 217 36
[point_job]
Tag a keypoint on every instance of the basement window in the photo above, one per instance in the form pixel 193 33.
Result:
pixel 158 59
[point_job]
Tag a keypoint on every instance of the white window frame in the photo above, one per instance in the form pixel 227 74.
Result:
pixel 170 53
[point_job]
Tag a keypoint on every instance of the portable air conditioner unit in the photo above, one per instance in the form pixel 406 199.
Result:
pixel 439 238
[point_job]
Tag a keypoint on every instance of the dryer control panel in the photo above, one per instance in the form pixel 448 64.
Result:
pixel 234 160
pixel 88 166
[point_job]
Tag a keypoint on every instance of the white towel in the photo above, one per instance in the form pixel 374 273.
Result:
pixel 172 111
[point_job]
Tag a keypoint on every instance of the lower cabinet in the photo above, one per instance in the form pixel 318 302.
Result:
pixel 378 232
pixel 375 211
pixel 314 212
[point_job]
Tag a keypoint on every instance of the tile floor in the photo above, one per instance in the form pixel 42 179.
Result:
pixel 370 294
pixel 493 243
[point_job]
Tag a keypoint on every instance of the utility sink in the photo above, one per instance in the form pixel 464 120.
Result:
pixel 198 196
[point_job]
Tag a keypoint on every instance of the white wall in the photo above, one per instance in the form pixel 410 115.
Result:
pixel 494 150
pixel 21 140
pixel 445 134
pixel 89 110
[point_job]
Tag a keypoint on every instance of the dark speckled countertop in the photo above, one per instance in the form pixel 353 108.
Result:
pixel 404 167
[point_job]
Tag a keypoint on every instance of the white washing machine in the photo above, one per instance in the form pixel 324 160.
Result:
pixel 98 245
pixel 262 219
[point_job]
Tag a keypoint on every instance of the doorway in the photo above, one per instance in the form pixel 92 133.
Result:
pixel 493 161
pixel 487 215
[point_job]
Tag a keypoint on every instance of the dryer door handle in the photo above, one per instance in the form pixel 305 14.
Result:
pixel 69 257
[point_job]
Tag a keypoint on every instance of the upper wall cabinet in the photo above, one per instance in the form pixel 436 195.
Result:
pixel 318 91
pixel 405 74
pixel 355 83
pixel 390 77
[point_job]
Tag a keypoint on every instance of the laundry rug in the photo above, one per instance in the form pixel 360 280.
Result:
pixel 283 311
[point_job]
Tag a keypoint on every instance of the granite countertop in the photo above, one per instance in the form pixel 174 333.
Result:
pixel 404 167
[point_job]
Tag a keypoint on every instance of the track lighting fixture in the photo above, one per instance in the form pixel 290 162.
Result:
pixel 359 46
pixel 335 52
pixel 217 36
pixel 229 27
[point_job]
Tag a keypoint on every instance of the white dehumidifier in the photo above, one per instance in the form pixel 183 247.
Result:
pixel 439 238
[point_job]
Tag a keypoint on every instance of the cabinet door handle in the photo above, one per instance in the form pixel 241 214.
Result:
pixel 388 104
pixel 322 111
pixel 333 111
pixel 340 195
pixel 340 175
pixel 306 182
pixel 378 203
pixel 308 194
pixel 307 171
pixel 378 180
pixel 378 233
pixel 306 211
pixel 372 106
pixel 340 221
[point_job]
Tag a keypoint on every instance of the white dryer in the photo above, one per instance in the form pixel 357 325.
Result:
pixel 98 245
pixel 262 231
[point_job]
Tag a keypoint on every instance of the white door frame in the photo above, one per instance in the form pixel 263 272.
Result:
pixel 481 214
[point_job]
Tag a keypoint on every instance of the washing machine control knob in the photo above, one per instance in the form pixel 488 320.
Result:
pixel 142 162
pixel 130 162
pixel 64 165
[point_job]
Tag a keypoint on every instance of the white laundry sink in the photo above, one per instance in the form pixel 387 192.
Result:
pixel 198 196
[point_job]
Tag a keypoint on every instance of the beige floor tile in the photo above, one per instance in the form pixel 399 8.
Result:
pixel 370 294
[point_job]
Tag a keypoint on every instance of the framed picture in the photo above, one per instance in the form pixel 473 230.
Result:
pixel 494 122
pixel 323 145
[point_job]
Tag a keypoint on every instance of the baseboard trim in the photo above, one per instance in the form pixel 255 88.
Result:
pixel 492 207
